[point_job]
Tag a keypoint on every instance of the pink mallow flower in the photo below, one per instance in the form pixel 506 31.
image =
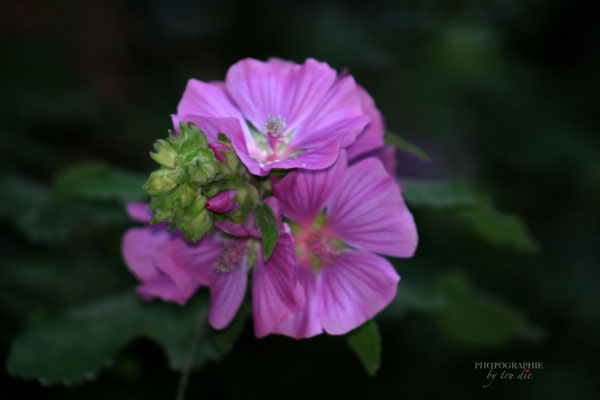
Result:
pixel 340 218
pixel 172 269
pixel 286 115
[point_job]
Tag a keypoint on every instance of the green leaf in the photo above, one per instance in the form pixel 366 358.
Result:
pixel 474 319
pixel 473 208
pixel 264 218
pixel 365 341
pixel 396 140
pixel 100 181
pixel 498 228
pixel 438 194
pixel 75 347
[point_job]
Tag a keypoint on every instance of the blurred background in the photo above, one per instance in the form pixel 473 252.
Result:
pixel 501 93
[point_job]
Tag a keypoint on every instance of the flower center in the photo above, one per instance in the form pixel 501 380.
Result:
pixel 274 126
pixel 234 249
pixel 314 245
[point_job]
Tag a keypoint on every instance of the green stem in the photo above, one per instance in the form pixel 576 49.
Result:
pixel 189 363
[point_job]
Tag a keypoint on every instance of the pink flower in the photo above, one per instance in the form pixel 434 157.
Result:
pixel 341 217
pixel 279 114
pixel 172 269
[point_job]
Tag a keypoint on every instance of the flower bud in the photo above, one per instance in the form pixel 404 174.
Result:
pixel 222 203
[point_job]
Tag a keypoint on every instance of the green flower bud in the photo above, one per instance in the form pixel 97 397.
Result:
pixel 162 181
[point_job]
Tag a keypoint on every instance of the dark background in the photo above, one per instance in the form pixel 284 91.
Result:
pixel 501 92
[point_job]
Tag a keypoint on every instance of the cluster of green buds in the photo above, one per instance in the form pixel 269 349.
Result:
pixel 192 170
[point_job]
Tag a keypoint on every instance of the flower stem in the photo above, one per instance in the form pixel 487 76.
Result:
pixel 189 363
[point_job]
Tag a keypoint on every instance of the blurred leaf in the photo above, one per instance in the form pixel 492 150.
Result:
pixel 418 299
pixel 438 194
pixel 498 228
pixel 477 320
pixel 76 346
pixel 267 222
pixel 475 209
pixel 19 197
pixel 101 181
pixel 365 341
pixel 396 140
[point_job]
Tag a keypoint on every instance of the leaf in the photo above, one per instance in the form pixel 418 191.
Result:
pixel 265 218
pixel 438 194
pixel 365 341
pixel 499 228
pixel 396 140
pixel 75 347
pixel 474 208
pixel 478 320
pixel 100 181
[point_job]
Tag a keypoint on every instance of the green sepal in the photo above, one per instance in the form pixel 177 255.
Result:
pixel 162 181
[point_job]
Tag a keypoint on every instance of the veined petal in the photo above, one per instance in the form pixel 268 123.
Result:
pixel 138 247
pixel 355 287
pixel 339 114
pixel 208 100
pixel 304 323
pixel 371 138
pixel 367 211
pixel 275 289
pixel 278 88
pixel 303 194
pixel 188 264
pixel 227 292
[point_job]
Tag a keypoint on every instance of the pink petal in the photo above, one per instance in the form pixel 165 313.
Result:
pixel 338 115
pixel 188 265
pixel 208 100
pixel 304 323
pixel 353 289
pixel 314 155
pixel 138 248
pixel 277 87
pixel 227 292
pixel 303 194
pixel 367 211
pixel 163 288
pixel 371 137
pixel 387 155
pixel 139 212
pixel 275 289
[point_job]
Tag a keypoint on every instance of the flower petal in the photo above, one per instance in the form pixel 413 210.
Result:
pixel 139 212
pixel 371 137
pixel 138 247
pixel 355 287
pixel 367 211
pixel 275 289
pixel 303 194
pixel 304 323
pixel 206 99
pixel 188 264
pixel 277 87
pixel 163 288
pixel 338 115
pixel 227 292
